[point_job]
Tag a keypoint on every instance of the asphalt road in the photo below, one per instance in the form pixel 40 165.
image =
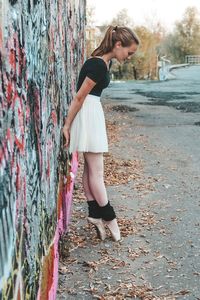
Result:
pixel 182 92
pixel 167 119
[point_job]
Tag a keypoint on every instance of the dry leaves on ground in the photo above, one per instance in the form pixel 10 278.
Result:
pixel 113 131
pixel 120 171
pixel 126 290
pixel 127 226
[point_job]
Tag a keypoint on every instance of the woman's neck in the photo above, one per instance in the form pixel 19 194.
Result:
pixel 107 57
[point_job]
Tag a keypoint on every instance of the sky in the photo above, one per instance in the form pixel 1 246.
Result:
pixel 143 12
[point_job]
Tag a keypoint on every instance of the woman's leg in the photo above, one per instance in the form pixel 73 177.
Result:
pixel 98 190
pixel 88 194
pixel 94 214
pixel 93 207
pixel 95 177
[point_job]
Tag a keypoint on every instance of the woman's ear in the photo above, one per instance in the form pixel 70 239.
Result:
pixel 118 44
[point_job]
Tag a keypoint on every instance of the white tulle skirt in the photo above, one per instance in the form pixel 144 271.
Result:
pixel 88 129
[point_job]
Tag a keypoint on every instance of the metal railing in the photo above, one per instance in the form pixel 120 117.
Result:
pixel 192 59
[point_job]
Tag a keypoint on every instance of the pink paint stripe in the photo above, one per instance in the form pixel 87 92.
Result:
pixel 62 226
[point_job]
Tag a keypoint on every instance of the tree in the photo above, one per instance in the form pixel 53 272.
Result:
pixel 188 32
pixel 122 19
pixel 145 60
pixel 185 40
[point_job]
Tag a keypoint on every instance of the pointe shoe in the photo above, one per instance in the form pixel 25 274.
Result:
pixel 99 226
pixel 114 229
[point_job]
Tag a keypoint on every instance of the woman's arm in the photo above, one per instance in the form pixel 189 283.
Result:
pixel 76 104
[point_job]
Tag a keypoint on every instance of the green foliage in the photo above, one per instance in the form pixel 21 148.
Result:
pixel 185 39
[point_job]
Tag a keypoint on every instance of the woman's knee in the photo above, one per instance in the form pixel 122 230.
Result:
pixel 95 165
pixel 96 173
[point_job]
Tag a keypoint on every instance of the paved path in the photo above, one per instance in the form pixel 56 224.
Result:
pixel 158 207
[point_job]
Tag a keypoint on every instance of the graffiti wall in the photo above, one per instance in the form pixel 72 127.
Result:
pixel 41 51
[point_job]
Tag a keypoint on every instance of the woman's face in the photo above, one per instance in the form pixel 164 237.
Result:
pixel 124 53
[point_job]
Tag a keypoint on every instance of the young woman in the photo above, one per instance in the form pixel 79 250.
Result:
pixel 85 130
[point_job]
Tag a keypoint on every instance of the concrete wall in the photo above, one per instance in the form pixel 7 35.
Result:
pixel 41 50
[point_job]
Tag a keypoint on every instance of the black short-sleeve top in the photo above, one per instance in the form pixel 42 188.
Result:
pixel 96 69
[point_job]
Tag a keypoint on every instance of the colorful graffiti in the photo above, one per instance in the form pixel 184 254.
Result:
pixel 41 51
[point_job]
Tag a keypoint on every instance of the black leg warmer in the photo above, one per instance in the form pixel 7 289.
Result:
pixel 94 209
pixel 107 212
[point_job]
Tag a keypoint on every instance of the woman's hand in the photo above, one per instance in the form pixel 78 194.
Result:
pixel 66 135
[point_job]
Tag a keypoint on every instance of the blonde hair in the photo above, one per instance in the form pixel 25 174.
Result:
pixel 114 34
